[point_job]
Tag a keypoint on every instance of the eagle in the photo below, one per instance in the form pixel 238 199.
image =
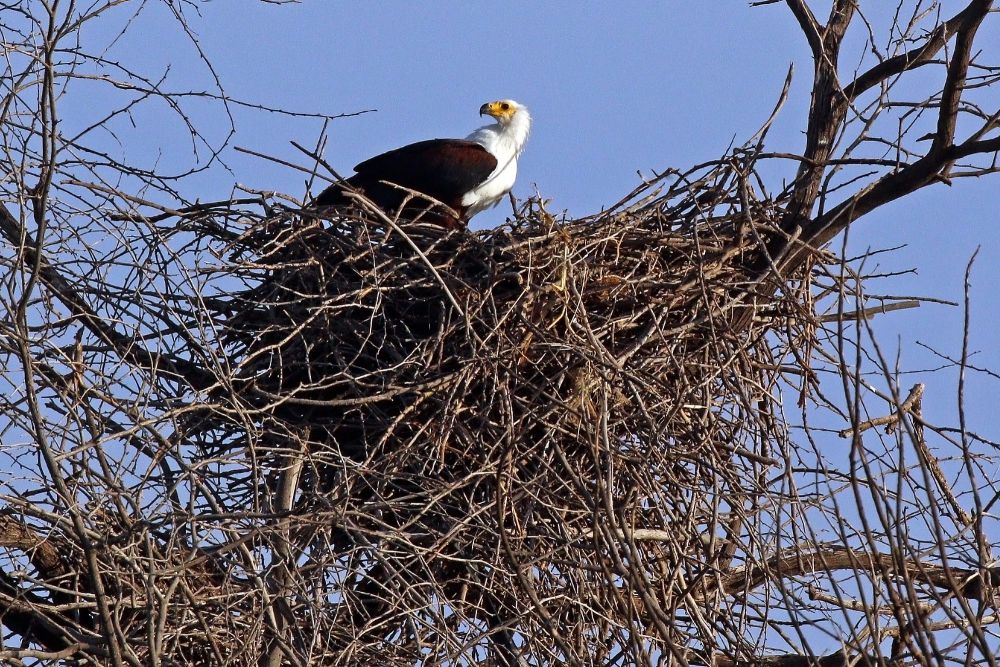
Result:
pixel 467 175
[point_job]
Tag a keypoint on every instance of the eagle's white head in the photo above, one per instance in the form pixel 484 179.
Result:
pixel 503 110
pixel 513 122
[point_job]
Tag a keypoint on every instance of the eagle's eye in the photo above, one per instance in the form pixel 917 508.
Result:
pixel 505 106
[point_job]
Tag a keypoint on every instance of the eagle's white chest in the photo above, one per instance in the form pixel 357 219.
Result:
pixel 505 143
pixel 488 193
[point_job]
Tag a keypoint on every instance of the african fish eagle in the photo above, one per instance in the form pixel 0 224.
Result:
pixel 469 175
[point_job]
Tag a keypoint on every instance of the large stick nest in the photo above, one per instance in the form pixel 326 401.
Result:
pixel 504 420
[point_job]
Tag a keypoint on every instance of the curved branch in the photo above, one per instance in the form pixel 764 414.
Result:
pixel 921 173
pixel 166 366
pixel 931 167
pixel 965 582
pixel 830 104
pixel 25 613
pixel 958 69
pixel 810 26
pixel 915 57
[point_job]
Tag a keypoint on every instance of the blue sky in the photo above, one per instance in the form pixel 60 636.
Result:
pixel 613 88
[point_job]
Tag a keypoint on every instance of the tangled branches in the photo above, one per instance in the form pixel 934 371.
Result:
pixel 241 434
pixel 475 424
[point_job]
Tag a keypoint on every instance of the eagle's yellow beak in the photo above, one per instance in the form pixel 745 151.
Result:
pixel 501 109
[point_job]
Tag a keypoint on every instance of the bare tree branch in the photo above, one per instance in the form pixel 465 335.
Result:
pixel 235 432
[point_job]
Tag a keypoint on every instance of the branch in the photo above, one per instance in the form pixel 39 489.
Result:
pixel 827 114
pixel 958 69
pixel 792 563
pixel 810 26
pixel 912 59
pixel 888 420
pixel 25 613
pixel 888 188
pixel 179 369
pixel 828 105
pixel 44 554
